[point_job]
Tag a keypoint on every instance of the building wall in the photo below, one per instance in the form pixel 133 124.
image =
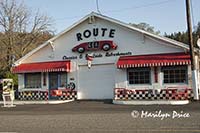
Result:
pixel 127 41
pixel 20 82
pixel 122 82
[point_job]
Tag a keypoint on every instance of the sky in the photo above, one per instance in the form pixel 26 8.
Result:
pixel 165 15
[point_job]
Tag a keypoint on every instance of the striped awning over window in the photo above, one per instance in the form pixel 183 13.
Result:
pixel 169 59
pixel 55 66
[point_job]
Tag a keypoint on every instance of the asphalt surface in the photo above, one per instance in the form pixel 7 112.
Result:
pixel 100 116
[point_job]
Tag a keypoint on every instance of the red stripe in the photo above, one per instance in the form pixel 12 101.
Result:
pixel 154 60
pixel 43 67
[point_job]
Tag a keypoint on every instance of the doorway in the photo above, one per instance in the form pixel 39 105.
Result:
pixel 56 81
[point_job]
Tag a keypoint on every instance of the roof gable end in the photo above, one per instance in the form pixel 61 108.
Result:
pixel 94 14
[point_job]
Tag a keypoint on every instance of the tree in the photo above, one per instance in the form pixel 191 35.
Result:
pixel 20 31
pixel 183 36
pixel 146 27
pixel 196 33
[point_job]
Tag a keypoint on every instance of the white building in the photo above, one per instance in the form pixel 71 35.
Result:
pixel 127 63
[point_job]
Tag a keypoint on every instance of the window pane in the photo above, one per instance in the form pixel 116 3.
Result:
pixel 175 74
pixel 139 75
pixel 33 80
pixel 166 81
pixel 63 79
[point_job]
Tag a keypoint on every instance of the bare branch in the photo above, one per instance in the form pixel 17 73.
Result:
pixel 20 29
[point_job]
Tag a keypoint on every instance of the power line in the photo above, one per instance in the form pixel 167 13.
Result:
pixel 97 4
pixel 119 10
pixel 140 6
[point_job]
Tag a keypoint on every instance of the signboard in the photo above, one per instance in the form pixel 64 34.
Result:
pixel 95 32
pixel 97 55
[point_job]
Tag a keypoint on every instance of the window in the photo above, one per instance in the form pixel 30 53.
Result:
pixel 139 75
pixel 33 80
pixel 175 74
pixel 57 80
pixel 63 79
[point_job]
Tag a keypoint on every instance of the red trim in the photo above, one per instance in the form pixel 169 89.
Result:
pixel 176 93
pixel 62 92
pixel 169 59
pixel 56 66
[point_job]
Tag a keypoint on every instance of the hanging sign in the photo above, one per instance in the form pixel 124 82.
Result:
pixel 89 59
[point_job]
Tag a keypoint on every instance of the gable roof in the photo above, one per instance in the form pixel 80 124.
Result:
pixel 165 39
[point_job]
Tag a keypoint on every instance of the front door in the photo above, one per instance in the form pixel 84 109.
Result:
pixel 56 81
pixel 53 84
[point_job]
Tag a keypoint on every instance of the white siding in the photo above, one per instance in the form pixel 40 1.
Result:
pixel 20 81
pixel 126 39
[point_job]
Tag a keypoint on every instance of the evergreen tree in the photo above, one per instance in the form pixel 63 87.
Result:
pixel 183 36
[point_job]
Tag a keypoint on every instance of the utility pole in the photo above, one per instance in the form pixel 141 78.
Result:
pixel 192 55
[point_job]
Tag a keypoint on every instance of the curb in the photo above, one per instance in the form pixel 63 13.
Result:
pixel 39 102
pixel 171 102
pixel 60 102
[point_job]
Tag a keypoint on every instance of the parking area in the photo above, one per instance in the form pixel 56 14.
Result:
pixel 100 116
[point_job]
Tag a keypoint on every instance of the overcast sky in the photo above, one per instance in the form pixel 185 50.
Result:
pixel 165 15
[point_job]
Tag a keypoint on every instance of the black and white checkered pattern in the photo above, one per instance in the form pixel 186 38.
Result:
pixel 33 95
pixel 164 94
pixel 68 96
pixel 43 95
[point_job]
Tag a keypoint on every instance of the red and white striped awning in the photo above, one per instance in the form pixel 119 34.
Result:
pixel 55 66
pixel 169 59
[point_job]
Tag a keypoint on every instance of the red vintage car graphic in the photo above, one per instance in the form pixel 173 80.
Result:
pixel 105 45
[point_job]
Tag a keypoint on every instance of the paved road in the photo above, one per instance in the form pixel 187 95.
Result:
pixel 100 116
